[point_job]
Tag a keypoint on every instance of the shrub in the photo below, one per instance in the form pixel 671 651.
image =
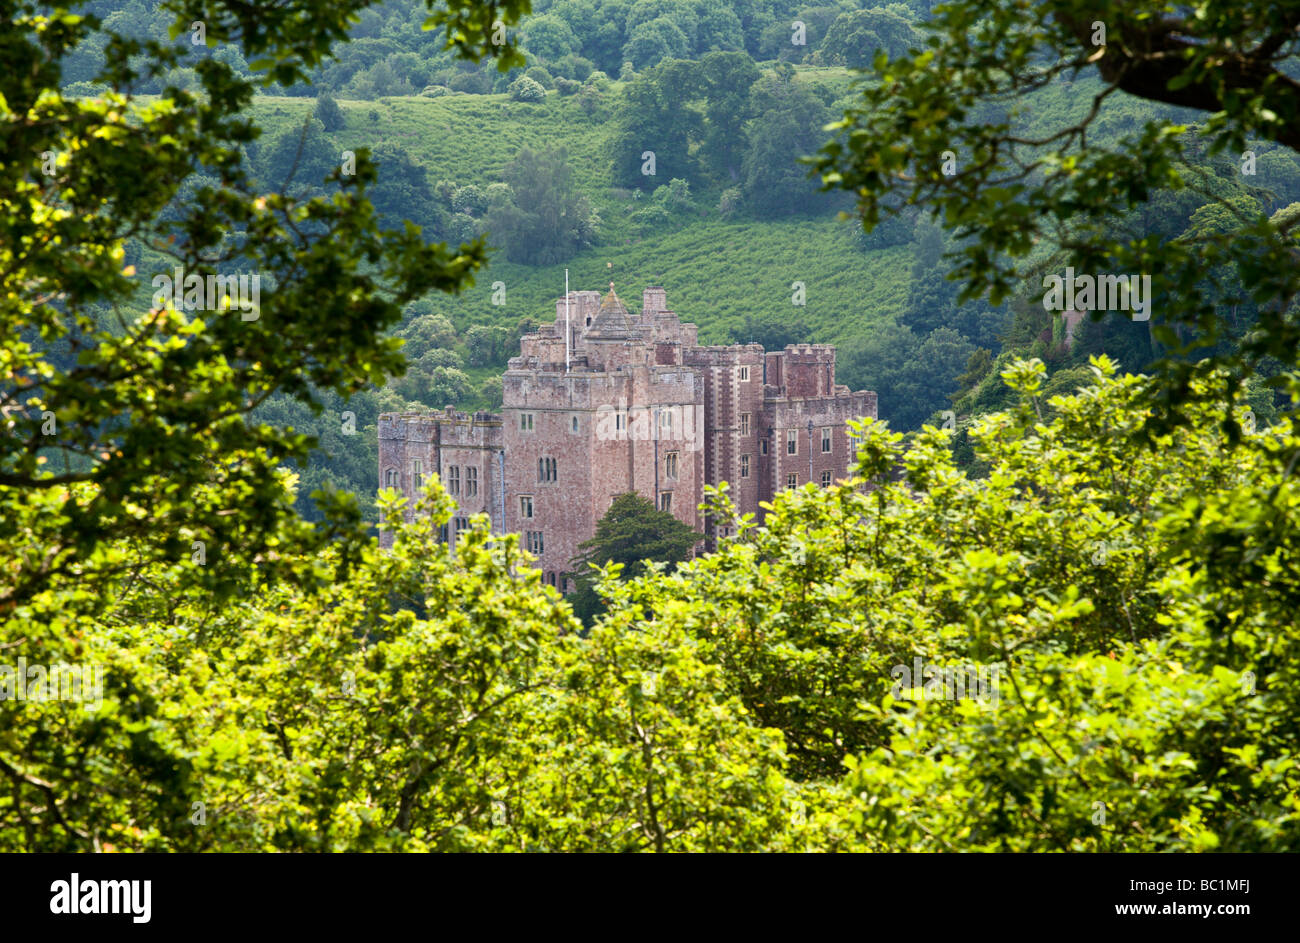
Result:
pixel 435 91
pixel 469 199
pixel 539 75
pixel 524 89
pixel 729 202
pixel 567 86
pixel 329 113
pixel 573 67
pixel 473 83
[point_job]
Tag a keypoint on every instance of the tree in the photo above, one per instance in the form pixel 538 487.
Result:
pixel 727 78
pixel 546 220
pixel 854 38
pixel 655 41
pixel 402 191
pixel 132 480
pixel 787 126
pixel 631 534
pixel 890 148
pixel 524 89
pixel 427 332
pixel 773 332
pixel 912 374
pixel 929 303
pixel 658 117
pixel 298 159
pixel 550 38
pixel 720 29
pixel 486 345
pixel 329 114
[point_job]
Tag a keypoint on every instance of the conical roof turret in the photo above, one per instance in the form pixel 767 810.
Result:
pixel 612 322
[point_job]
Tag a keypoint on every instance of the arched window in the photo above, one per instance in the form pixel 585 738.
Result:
pixel 390 478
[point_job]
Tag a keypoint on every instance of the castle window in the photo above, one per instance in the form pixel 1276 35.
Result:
pixel 526 506
pixel 417 475
pixel 742 374
pixel 744 423
pixel 525 422
pixel 546 469
pixel 665 423
pixel 762 446
pixel 826 479
pixel 471 481
pixel 390 478
pixel 670 464
pixel 792 442
pixel 666 501
pixel 550 577
pixel 462 524
pixel 744 466
pixel 792 481
pixel 573 421
pixel 443 534
pixel 620 421
pixel 534 541
pixel 453 479
pixel 826 439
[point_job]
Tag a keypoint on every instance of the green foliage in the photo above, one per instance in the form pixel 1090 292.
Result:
pixel 1086 174
pixel 855 38
pixel 129 439
pixel 544 220
pixel 787 125
pixel 329 114
pixel 632 535
pixel 525 89
pixel 772 333
pixel 297 160
pixel 657 117
pixel 272 686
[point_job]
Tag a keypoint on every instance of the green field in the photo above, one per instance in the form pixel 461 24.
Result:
pixel 716 270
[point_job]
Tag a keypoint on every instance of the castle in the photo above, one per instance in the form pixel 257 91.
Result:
pixel 627 403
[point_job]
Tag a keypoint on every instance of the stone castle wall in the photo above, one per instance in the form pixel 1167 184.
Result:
pixel 641 407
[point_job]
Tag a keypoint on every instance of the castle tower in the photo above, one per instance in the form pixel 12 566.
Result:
pixel 637 406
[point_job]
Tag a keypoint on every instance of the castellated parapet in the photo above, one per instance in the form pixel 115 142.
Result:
pixel 604 401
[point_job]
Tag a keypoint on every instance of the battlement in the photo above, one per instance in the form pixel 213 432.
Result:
pixel 627 401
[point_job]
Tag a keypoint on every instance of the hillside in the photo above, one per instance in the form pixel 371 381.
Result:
pixel 721 270
pixel 716 270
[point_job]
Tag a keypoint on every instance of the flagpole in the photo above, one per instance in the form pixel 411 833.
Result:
pixel 566 320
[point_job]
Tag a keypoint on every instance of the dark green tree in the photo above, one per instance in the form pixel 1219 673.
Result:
pixel 545 219
pixel 298 159
pixel 787 125
pixel 632 533
pixel 403 192
pixel 772 331
pixel 329 114
pixel 855 38
pixel 1074 188
pixel 658 117
pixel 727 78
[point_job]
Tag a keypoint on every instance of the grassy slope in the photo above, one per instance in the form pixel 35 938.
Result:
pixel 716 271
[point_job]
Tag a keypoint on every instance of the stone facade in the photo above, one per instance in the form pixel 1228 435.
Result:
pixel 630 403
